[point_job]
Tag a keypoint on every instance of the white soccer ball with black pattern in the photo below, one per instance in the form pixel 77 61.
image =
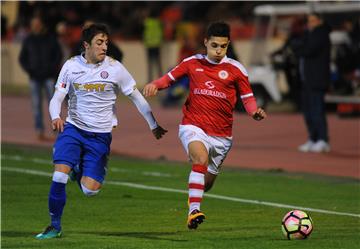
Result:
pixel 297 224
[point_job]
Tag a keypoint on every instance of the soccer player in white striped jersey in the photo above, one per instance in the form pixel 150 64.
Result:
pixel 206 127
pixel 92 81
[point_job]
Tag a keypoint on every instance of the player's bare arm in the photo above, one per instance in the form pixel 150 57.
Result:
pixel 153 87
pixel 259 114
pixel 150 90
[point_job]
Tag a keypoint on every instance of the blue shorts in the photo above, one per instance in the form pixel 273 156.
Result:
pixel 89 150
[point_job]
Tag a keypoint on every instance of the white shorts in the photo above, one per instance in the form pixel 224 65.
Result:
pixel 217 147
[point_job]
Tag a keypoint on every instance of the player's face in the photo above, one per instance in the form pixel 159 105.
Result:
pixel 96 51
pixel 216 47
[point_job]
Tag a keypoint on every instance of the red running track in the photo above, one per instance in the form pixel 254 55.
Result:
pixel 269 145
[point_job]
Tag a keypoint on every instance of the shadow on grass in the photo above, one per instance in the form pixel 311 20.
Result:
pixel 141 235
pixel 16 234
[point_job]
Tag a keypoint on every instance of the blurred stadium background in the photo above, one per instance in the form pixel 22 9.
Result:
pixel 182 22
pixel 183 25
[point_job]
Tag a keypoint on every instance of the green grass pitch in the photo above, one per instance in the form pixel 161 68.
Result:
pixel 143 204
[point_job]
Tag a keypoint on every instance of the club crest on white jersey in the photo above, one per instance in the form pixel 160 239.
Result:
pixel 104 74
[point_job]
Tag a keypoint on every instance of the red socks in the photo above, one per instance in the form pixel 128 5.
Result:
pixel 196 186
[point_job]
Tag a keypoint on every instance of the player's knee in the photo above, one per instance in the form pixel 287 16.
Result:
pixel 60 177
pixel 89 192
pixel 202 160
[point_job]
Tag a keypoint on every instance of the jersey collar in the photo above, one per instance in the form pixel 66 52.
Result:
pixel 213 62
pixel 83 60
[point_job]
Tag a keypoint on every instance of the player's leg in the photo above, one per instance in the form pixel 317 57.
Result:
pixel 209 181
pixel 56 201
pixel 67 150
pixel 57 194
pixel 198 154
pixel 199 157
pixel 220 146
pixel 76 174
pixel 90 186
pixel 94 162
pixel 194 142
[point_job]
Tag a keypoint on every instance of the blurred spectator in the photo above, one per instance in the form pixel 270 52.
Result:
pixel 347 58
pixel 40 57
pixel 355 39
pixel 188 47
pixel 3 27
pixel 64 41
pixel 171 16
pixel 187 36
pixel 46 9
pixel 73 35
pixel 314 52
pixel 231 52
pixel 19 33
pixel 153 38
pixel 241 29
pixel 177 91
pixel 125 17
pixel 26 12
pixel 69 37
pixel 286 60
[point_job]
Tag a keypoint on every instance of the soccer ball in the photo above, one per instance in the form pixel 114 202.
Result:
pixel 297 224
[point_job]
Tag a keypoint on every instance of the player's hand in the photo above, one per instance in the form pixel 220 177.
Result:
pixel 159 132
pixel 259 114
pixel 150 90
pixel 57 125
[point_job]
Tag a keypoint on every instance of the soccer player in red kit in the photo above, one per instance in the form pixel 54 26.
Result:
pixel 206 127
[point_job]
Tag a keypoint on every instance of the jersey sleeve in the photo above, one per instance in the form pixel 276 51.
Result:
pixel 246 93
pixel 126 82
pixel 174 74
pixel 243 84
pixel 179 71
pixel 63 81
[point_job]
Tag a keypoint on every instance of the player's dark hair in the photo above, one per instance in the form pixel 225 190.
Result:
pixel 220 29
pixel 92 30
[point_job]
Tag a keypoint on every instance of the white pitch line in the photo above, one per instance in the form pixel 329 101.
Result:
pixel 27 171
pixel 220 197
pixel 113 169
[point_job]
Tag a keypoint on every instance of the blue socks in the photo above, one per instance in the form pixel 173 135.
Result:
pixel 57 200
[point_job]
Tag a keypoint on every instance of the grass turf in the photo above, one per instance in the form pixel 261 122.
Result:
pixel 127 217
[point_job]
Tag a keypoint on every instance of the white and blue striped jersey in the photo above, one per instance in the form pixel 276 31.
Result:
pixel 92 90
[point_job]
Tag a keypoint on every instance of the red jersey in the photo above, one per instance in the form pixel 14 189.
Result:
pixel 213 92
